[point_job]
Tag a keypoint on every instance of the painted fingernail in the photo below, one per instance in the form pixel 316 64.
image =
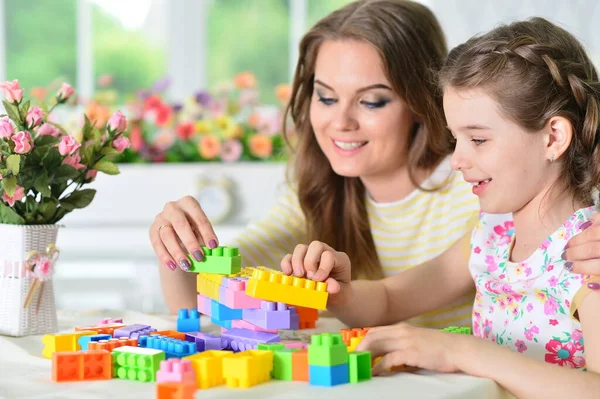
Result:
pixel 567 246
pixel 185 264
pixel 563 256
pixel 569 266
pixel 594 286
pixel 171 265
pixel 197 255
pixel 212 244
pixel 586 225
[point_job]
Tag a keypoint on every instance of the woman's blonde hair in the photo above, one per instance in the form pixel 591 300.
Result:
pixel 412 47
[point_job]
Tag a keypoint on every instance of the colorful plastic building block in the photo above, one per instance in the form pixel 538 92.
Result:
pixel 102 328
pixel 327 350
pixel 170 334
pixel 171 346
pixel 136 364
pixel 62 342
pixel 175 390
pixel 232 293
pixel 271 315
pixel 249 368
pixel 221 312
pixel 307 317
pixel 204 342
pixel 81 366
pixel 188 320
pixel 294 318
pixel 295 344
pixel 359 367
pixel 208 285
pixel 277 287
pixel 133 331
pixel 205 305
pixel 282 364
pixel 220 260
pixel 347 333
pixel 226 324
pixel 300 366
pixel 86 339
pixel 110 344
pixel 327 376
pixel 354 341
pixel 240 340
pixel 176 370
pixel 110 321
pixel 249 326
pixel 270 347
pixel 209 368
pixel 458 330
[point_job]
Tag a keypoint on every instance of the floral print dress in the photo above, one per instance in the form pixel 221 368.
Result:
pixel 528 306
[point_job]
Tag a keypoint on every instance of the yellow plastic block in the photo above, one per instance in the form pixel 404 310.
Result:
pixel 208 367
pixel 278 287
pixel 208 285
pixel 354 341
pixel 248 368
pixel 62 342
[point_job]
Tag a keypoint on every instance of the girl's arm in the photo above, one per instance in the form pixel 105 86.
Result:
pixel 529 378
pixel 421 289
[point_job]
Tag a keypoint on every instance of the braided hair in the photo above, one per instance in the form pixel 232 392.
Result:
pixel 536 71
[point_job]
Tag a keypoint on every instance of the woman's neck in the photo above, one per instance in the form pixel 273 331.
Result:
pixel 537 220
pixel 393 186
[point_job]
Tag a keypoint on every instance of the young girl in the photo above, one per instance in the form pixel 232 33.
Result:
pixel 523 104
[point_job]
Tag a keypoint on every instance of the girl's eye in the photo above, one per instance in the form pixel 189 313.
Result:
pixel 375 104
pixel 326 101
pixel 478 142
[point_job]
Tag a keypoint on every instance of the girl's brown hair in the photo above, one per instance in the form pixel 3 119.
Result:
pixel 536 70
pixel 412 47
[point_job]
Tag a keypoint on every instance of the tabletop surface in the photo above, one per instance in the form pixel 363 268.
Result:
pixel 24 373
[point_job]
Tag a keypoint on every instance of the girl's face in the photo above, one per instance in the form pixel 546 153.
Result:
pixel 507 166
pixel 360 123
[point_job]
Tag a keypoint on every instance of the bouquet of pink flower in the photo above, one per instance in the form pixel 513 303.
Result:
pixel 42 167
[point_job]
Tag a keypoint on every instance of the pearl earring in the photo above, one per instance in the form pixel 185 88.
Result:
pixel 552 158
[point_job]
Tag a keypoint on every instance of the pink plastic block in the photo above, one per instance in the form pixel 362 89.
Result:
pixel 295 344
pixel 110 321
pixel 232 293
pixel 249 326
pixel 175 370
pixel 204 305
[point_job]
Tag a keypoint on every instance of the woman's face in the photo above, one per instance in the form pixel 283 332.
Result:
pixel 360 123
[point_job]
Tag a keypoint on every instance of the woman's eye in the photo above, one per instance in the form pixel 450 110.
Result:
pixel 375 104
pixel 326 100
pixel 478 141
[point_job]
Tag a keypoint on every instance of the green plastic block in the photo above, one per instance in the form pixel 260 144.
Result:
pixel 270 347
pixel 282 364
pixel 220 260
pixel 359 367
pixel 136 364
pixel 327 350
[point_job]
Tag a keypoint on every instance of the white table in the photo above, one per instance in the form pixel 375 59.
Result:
pixel 25 374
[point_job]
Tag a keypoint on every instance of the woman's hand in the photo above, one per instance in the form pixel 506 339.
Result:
pixel 319 262
pixel 582 252
pixel 181 228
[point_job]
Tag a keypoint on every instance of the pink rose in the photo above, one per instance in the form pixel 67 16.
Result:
pixel 120 143
pixel 34 117
pixel 231 150
pixel 12 91
pixel 117 123
pixel 17 196
pixel 68 145
pixel 23 142
pixel 48 129
pixel 6 128
pixel 73 160
pixel 91 175
pixel 65 92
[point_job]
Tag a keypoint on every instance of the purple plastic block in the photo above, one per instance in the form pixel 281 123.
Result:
pixel 240 340
pixel 270 316
pixel 133 331
pixel 204 342
pixel 205 305
pixel 294 319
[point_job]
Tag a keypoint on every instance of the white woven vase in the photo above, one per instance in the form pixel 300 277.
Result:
pixel 16 243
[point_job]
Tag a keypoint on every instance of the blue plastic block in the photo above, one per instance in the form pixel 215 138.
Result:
pixel 326 376
pixel 188 320
pixel 85 340
pixel 221 312
pixel 171 346
pixel 224 323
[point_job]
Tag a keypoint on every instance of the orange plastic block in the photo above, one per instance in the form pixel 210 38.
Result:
pixel 208 366
pixel 300 366
pixel 62 342
pixel 170 334
pixel 102 329
pixel 307 317
pixel 175 390
pixel 277 287
pixel 111 344
pixel 81 366
pixel 347 334
pixel 248 368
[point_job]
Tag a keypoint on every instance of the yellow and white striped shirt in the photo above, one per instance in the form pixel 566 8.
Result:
pixel 407 233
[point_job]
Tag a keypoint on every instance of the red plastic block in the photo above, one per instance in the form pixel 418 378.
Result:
pixel 81 366
pixel 307 317
pixel 175 390
pixel 300 366
pixel 111 344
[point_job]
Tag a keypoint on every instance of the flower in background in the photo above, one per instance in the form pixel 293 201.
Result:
pixel 17 196
pixel 231 150
pixel 34 117
pixel 152 102
pixel 6 128
pixel 137 138
pixel 209 146
pixel 164 139
pixel 185 130
pixel 283 92
pixel 105 80
pixel 248 98
pixel 64 93
pixel 203 98
pixel 245 80
pixel 260 146
pixel 48 129
pixel 91 175
pixel 117 123
pixel 121 144
pixel 218 108
pixel 204 126
pixel 39 93
pixel 161 84
pixel 68 145
pixel 163 115
pixel 23 142
pixel 74 161
pixel 228 127
pixel 97 113
pixel 12 91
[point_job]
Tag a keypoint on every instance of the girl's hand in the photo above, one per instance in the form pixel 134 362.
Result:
pixel 582 252
pixel 319 262
pixel 403 344
pixel 182 227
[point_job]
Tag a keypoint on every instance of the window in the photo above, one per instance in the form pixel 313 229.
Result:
pixel 40 42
